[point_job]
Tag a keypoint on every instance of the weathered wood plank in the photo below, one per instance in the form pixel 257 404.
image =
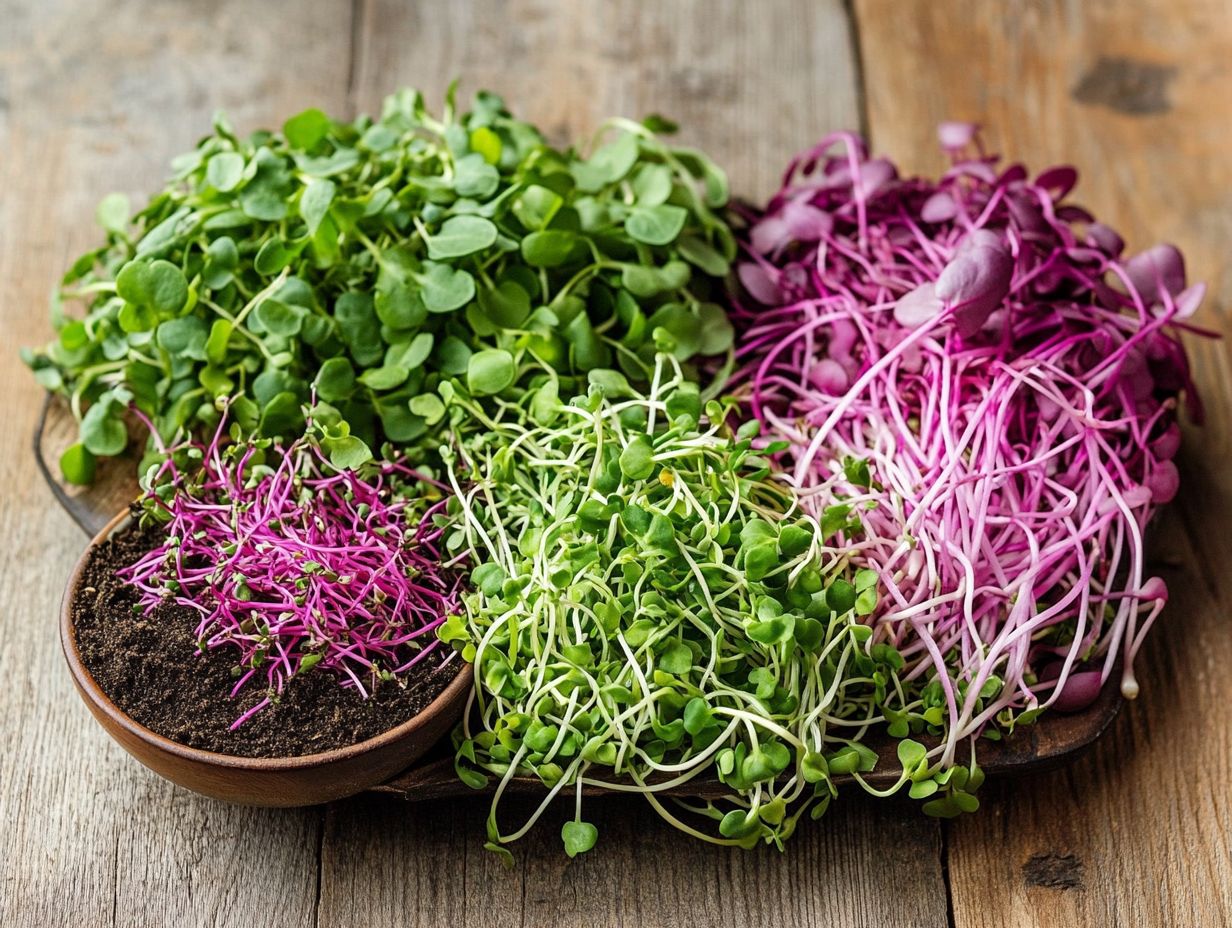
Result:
pixel 411 865
pixel 1136 832
pixel 751 83
pixel 96 96
pixel 1137 97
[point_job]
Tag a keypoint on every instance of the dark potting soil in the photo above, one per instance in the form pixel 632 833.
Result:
pixel 150 668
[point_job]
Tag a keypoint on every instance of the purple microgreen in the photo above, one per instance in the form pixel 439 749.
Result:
pixel 296 566
pixel 1011 383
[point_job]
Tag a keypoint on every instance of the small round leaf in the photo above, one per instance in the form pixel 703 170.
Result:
pixel 490 371
pixel 460 236
pixel 77 465
pixel 656 225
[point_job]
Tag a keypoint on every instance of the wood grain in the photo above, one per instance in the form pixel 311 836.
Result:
pixel 420 865
pixel 96 96
pixel 1139 98
pixel 751 83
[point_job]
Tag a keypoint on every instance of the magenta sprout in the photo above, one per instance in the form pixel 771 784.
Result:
pixel 298 565
pixel 1012 383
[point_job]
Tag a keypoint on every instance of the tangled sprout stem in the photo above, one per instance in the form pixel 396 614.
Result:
pixel 1012 382
pixel 652 606
pixel 294 565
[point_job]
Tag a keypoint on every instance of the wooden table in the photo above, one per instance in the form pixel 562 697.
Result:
pixel 97 95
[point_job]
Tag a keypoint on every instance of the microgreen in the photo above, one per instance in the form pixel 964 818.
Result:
pixel 376 257
pixel 649 606
pixel 297 562
pixel 976 360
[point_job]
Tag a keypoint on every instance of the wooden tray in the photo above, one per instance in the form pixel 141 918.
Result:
pixel 1055 739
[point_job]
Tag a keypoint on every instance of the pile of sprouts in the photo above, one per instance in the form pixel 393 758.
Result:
pixel 293 564
pixel 1011 380
pixel 652 605
pixel 915 519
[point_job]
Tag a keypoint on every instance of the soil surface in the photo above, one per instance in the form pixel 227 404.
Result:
pixel 150 668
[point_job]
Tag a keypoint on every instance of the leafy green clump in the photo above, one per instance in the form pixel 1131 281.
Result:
pixel 651 605
pixel 370 260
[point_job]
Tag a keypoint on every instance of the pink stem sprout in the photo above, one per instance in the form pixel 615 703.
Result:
pixel 1012 383
pixel 299 565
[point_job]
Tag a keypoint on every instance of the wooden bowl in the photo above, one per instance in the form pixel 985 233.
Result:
pixel 260 781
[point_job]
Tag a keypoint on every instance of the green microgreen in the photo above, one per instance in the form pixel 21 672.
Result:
pixel 375 258
pixel 650 606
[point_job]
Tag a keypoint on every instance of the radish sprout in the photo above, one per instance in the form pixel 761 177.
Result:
pixel 1010 382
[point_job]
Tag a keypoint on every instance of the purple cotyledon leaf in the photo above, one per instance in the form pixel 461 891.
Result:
pixel 975 282
pixel 795 222
pixel 1157 271
pixel 761 281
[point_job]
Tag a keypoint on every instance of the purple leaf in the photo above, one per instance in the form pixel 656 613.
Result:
pixel 940 207
pixel 1105 239
pixel 980 238
pixel 874 175
pixel 1070 213
pixel 1135 375
pixel 975 282
pixel 1157 271
pixel 797 221
pixel 828 376
pixel 843 337
pixel 1082 255
pixel 761 282
pixel 1079 691
pixel 794 282
pixel 1189 299
pixel 1026 211
pixel 1168 444
pixel 769 235
pixel 917 307
pixel 1163 481
pixel 1014 174
pixel 1154 590
pixel 979 171
pixel 1058 181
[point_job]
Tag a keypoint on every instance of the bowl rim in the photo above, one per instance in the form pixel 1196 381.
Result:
pixel 91 691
